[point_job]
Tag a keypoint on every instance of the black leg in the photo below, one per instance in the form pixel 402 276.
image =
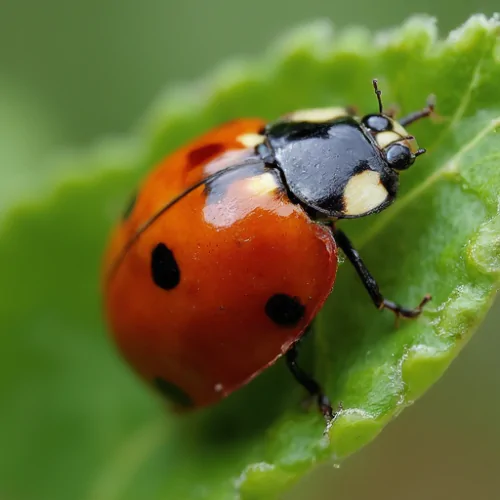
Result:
pixel 369 281
pixel 312 387
pixel 418 115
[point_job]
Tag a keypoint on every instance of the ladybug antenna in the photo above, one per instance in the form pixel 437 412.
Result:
pixel 378 93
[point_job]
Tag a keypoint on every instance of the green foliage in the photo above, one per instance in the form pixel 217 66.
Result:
pixel 78 424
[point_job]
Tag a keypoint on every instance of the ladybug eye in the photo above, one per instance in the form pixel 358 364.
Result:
pixel 399 157
pixel 377 123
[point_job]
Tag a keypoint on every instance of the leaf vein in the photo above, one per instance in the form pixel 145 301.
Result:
pixel 463 104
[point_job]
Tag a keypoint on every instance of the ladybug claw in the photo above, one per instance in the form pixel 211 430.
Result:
pixel 404 312
pixel 325 407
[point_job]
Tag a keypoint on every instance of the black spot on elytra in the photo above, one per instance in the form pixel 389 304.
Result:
pixel 173 392
pixel 205 153
pixel 285 310
pixel 164 268
pixel 130 206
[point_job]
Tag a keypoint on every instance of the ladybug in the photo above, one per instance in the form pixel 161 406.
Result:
pixel 229 249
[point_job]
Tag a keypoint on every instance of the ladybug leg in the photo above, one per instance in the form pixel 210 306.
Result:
pixel 369 281
pixel 417 115
pixel 306 381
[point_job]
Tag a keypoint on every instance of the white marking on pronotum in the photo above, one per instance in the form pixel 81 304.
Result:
pixel 386 138
pixel 317 115
pixel 364 192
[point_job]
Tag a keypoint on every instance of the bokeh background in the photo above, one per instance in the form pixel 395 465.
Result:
pixel 73 72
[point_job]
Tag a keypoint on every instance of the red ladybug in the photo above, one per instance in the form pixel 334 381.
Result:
pixel 229 249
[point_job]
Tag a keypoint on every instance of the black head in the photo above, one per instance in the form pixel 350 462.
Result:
pixel 338 165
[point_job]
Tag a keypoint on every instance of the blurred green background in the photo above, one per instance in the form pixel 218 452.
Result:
pixel 73 72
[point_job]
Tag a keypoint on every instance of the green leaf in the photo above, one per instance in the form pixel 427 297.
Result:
pixel 27 132
pixel 77 423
